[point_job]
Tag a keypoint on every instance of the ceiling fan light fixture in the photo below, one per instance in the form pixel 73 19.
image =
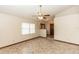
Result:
pixel 40 17
pixel 40 13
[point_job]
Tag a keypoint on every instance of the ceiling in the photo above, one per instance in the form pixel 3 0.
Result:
pixel 26 11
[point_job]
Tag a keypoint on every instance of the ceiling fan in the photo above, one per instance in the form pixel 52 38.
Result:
pixel 40 15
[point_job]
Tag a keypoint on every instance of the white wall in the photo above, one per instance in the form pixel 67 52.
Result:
pixel 10 29
pixel 66 26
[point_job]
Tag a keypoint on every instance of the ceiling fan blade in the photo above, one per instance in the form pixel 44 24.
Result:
pixel 47 15
pixel 44 17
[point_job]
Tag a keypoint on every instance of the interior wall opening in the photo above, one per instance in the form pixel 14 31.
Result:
pixel 48 26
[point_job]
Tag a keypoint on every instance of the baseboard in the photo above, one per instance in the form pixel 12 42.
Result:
pixel 42 37
pixel 66 42
pixel 19 42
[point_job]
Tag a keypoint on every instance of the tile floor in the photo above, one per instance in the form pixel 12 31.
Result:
pixel 41 46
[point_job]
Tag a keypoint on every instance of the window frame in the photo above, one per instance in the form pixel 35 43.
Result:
pixel 31 28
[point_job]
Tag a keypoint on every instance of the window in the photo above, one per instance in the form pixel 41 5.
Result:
pixel 27 28
pixel 32 28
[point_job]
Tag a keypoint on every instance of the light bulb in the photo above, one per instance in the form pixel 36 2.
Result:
pixel 40 17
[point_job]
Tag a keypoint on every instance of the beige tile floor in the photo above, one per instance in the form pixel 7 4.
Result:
pixel 41 46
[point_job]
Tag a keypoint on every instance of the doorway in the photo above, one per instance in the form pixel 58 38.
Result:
pixel 42 26
pixel 52 30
